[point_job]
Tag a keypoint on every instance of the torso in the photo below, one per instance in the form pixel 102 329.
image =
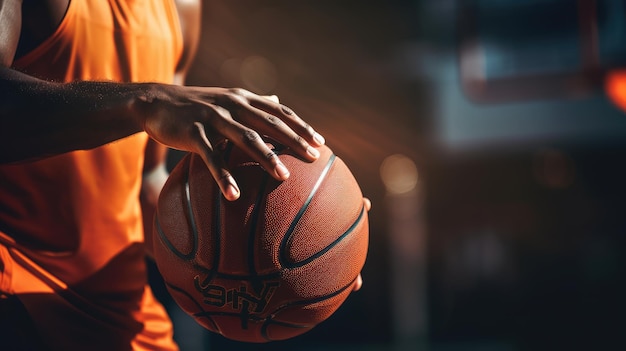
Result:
pixel 71 224
pixel 40 19
pixel 73 212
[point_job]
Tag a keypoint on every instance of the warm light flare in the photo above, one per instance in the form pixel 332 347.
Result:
pixel 399 174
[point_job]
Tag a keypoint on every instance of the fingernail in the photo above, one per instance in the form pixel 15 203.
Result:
pixel 313 152
pixel 232 192
pixel 281 171
pixel 319 139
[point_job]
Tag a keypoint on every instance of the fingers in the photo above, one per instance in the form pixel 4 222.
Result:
pixel 278 130
pixel 358 283
pixel 279 122
pixel 367 203
pixel 290 118
pixel 252 143
pixel 245 138
pixel 244 119
pixel 273 98
pixel 215 164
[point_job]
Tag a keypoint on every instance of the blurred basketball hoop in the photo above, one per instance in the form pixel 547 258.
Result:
pixel 520 50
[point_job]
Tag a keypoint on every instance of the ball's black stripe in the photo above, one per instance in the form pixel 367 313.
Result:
pixel 260 277
pixel 266 325
pixel 217 235
pixel 315 299
pixel 203 313
pixel 192 220
pixel 216 221
pixel 251 317
pixel 217 218
pixel 256 212
pixel 192 225
pixel 283 259
pixel 270 321
pixel 331 245
pixel 282 324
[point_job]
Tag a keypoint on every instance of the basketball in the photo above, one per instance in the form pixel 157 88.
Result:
pixel 274 263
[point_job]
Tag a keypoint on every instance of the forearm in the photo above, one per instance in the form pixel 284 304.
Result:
pixel 40 118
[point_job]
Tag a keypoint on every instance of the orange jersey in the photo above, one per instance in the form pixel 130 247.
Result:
pixel 69 218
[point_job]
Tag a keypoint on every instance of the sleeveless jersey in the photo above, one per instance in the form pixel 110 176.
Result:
pixel 73 212
pixel 72 222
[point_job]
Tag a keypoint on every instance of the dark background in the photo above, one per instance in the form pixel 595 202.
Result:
pixel 512 237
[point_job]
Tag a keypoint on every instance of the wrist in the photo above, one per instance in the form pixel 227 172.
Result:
pixel 141 105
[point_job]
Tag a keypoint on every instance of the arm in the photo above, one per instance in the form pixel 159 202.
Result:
pixel 40 118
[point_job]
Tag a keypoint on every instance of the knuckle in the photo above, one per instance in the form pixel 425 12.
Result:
pixel 273 120
pixel 219 111
pixel 300 141
pixel 194 130
pixel 307 128
pixel 233 102
pixel 286 110
pixel 236 100
pixel 204 113
pixel 238 92
pixel 250 137
pixel 223 174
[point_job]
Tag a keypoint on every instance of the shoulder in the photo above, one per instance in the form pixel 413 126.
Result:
pixel 188 4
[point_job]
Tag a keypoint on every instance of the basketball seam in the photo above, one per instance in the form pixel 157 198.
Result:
pixel 284 261
pixel 331 245
pixel 192 220
pixel 256 212
pixel 192 223
pixel 217 227
pixel 221 275
pixel 203 313
pixel 270 319
pixel 292 226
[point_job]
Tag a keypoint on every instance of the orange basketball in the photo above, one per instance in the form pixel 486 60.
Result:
pixel 272 264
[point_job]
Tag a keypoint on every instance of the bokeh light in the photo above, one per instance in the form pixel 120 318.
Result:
pixel 399 174
pixel 258 74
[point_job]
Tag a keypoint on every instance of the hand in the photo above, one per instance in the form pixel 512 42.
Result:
pixel 199 119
